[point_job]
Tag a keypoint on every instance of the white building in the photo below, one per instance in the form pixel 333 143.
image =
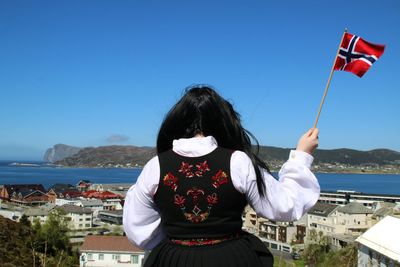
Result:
pixel 353 219
pixel 112 204
pixel 10 211
pixel 341 224
pixel 66 201
pixel 322 218
pixel 95 205
pixel 78 218
pixel 380 245
pixel 116 251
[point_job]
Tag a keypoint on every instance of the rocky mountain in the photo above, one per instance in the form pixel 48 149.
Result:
pixel 109 156
pixel 59 152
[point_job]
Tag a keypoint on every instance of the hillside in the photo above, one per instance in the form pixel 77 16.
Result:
pixel 342 156
pixel 344 159
pixel 14 249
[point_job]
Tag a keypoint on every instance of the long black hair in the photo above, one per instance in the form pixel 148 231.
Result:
pixel 201 110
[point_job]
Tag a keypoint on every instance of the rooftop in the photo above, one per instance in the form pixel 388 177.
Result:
pixel 355 208
pixel 119 186
pixel 108 243
pixel 23 188
pixel 382 212
pixel 383 237
pixel 91 202
pixel 117 213
pixel 41 211
pixel 75 209
pixel 62 187
pixel 322 209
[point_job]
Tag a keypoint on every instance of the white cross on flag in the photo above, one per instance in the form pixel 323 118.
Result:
pixel 356 55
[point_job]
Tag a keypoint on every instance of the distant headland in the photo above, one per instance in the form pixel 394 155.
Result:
pixel 331 161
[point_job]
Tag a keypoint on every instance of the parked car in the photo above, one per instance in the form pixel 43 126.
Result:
pixel 295 255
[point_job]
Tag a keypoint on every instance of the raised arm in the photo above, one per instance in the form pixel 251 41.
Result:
pixel 288 198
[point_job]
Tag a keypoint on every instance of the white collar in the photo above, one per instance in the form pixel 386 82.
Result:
pixel 194 147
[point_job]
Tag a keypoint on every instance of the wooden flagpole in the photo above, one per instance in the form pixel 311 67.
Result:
pixel 329 81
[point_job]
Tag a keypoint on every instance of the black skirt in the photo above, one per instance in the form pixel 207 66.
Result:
pixel 245 250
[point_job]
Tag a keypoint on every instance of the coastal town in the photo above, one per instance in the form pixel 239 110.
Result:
pixel 94 212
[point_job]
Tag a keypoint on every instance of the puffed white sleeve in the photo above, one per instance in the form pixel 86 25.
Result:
pixel 141 220
pixel 286 199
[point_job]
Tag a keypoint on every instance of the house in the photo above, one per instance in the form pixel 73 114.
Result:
pixel 383 209
pixel 83 185
pixel 379 246
pixel 24 194
pixel 78 218
pixel 111 216
pixel 353 219
pixel 276 235
pixel 112 204
pixel 63 191
pixel 40 213
pixel 342 224
pixel 68 201
pixel 101 251
pixel 101 195
pixel 322 218
pixel 96 205
pixel 119 189
pixel 11 211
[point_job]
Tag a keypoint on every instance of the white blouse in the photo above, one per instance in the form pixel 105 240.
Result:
pixel 285 200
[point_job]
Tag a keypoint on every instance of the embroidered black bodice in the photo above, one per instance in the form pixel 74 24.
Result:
pixel 196 197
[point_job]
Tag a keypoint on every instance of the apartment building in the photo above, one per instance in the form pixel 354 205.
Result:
pixel 78 218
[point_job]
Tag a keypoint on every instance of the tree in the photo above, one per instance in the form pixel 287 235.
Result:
pixel 24 220
pixel 13 248
pixel 51 240
pixel 346 257
pixel 317 248
pixel 318 253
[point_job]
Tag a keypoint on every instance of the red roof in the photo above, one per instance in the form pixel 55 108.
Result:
pixel 108 243
pixel 100 195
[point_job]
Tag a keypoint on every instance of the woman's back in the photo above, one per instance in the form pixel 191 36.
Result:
pixel 196 197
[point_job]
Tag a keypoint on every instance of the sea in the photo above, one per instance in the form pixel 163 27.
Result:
pixel 48 175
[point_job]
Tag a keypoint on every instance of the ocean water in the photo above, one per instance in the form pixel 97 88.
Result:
pixel 366 183
pixel 49 176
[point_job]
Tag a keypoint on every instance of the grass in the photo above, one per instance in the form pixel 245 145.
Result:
pixel 279 262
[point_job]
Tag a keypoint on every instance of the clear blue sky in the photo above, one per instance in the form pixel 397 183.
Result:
pixel 91 73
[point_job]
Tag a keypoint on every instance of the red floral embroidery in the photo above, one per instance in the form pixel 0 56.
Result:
pixel 212 199
pixel 186 169
pixel 180 201
pixel 202 168
pixel 200 204
pixel 219 178
pixel 171 181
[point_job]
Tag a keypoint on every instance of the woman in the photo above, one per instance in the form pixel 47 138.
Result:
pixel 187 203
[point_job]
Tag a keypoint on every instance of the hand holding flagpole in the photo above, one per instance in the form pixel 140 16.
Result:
pixel 328 82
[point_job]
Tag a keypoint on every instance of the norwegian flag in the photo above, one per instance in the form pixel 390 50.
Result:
pixel 356 55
